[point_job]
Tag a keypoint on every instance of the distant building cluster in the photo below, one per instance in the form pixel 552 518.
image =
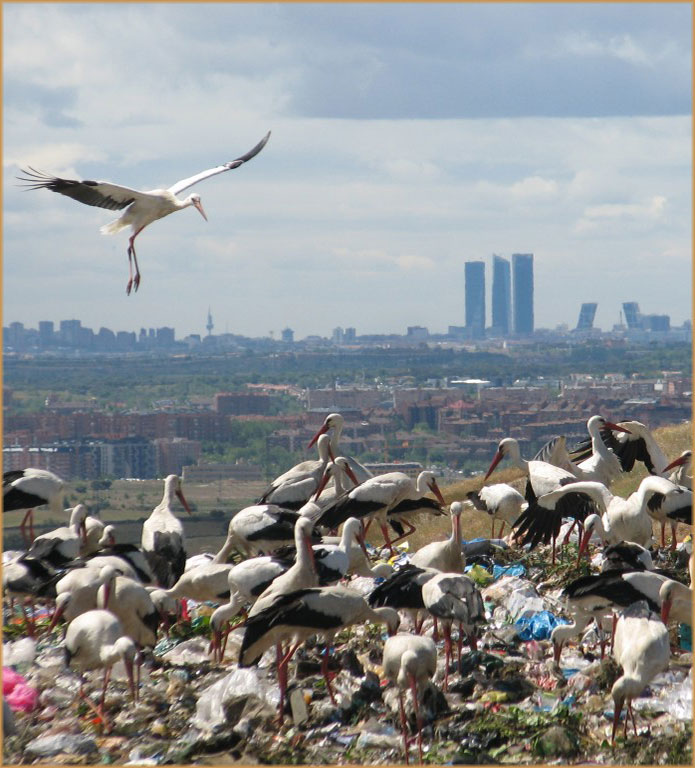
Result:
pixel 512 297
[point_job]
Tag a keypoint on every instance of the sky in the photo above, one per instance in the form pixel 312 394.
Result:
pixel 406 139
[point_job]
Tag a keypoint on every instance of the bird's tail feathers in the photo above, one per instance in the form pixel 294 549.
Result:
pixel 112 227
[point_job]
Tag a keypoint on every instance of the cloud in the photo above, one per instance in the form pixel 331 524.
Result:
pixel 625 214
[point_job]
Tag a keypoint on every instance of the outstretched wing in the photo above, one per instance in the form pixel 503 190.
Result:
pixel 102 194
pixel 191 180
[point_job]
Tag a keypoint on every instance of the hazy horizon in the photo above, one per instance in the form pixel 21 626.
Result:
pixel 406 140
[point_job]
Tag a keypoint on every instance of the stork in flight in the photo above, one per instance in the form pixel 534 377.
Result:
pixel 142 208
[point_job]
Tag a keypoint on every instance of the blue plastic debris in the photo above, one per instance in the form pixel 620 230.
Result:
pixel 685 633
pixel 516 569
pixel 539 626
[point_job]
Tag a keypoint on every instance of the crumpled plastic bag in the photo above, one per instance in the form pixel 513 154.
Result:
pixel 17 692
pixel 539 626
pixel 243 686
pixel 515 569
pixel 481 576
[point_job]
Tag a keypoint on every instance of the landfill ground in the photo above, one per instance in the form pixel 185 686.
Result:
pixel 508 704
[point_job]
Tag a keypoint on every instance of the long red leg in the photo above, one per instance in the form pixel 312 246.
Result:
pixel 409 532
pixel 499 533
pixel 663 533
pixel 413 688
pixel 326 675
pixel 447 653
pixel 404 726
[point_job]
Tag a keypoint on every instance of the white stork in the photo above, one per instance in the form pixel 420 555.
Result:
pixel 142 208
pixel 374 497
pixel 453 597
pixel 297 615
pixel 61 545
pixel 641 647
pixel 76 592
pixel 132 604
pixel 262 528
pixel 676 602
pixel 162 535
pixel 410 661
pixel 598 595
pixel 295 487
pixel 96 640
pixel 444 555
pixel 500 501
pixel 682 470
pixel 128 559
pixel 334 423
pixel 403 591
pixel 25 489
pixel 541 479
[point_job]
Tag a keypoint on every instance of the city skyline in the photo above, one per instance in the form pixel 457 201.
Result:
pixel 558 129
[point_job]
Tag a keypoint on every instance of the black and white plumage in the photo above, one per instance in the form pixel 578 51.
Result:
pixel 641 647
pixel 673 507
pixel 401 517
pixel 262 528
pixel 294 488
pixel 451 597
pixel 375 497
pixel 636 444
pixel 599 465
pixel 598 595
pixel 676 602
pixel 128 559
pixel 76 592
pixel 295 616
pixel 500 501
pixel 333 424
pixel 25 489
pixel 626 555
pixel 61 545
pixel 131 603
pixel 163 537
pixel 410 661
pixel 403 591
pixel 681 470
pixel 142 208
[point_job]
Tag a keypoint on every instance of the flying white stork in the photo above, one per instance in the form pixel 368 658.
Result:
pixel 163 537
pixel 410 661
pixel 29 488
pixel 374 497
pixel 500 501
pixel 641 647
pixel 96 640
pixel 142 208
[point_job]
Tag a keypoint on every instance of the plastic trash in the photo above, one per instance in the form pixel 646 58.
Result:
pixel 685 634
pixel 20 653
pixel 524 602
pixel 242 684
pixel 478 547
pixel 193 651
pixel 17 692
pixel 516 569
pixel 480 575
pixel 539 626
pixel 55 744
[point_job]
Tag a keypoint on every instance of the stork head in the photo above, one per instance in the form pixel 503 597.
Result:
pixel 685 458
pixel 180 496
pixel 194 200
pixel 332 421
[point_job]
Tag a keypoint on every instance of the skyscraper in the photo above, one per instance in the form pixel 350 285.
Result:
pixel 633 317
pixel 475 298
pixel 586 316
pixel 501 296
pixel 522 267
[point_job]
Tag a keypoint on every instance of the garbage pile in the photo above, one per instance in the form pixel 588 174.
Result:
pixel 507 703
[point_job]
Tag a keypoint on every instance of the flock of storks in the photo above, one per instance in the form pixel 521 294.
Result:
pixel 293 579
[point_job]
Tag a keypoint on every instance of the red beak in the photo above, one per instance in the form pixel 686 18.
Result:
pixel 665 610
pixel 435 490
pixel 583 546
pixel 351 475
pixel 676 463
pixel 495 461
pixel 616 428
pixel 321 431
pixel 322 484
pixel 59 612
pixel 182 499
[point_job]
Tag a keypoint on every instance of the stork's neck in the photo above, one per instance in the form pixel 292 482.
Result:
pixel 223 555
